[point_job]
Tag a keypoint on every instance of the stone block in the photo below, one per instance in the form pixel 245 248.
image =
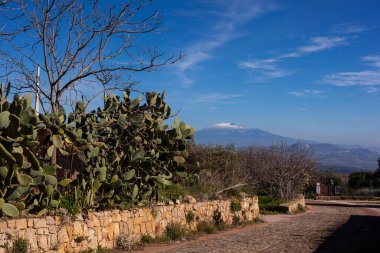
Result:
pixel 137 221
pixel 3 226
pixel 53 229
pixel 39 223
pixel 50 220
pixel 77 228
pixel 63 236
pixel 95 221
pixel 30 234
pixel 11 223
pixel 22 223
pixel 43 242
pixel 70 231
pixel 42 231
pixel 53 239
pixel 113 231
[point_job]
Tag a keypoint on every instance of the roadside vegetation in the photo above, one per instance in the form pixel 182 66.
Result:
pixel 278 172
pixel 356 184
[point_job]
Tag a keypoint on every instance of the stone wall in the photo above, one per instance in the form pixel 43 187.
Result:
pixel 59 234
pixel 293 206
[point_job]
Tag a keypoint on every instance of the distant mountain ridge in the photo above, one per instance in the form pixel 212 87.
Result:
pixel 344 158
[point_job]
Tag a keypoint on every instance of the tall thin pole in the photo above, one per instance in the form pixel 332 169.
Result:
pixel 37 104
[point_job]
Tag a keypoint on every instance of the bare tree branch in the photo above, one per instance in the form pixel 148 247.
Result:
pixel 76 42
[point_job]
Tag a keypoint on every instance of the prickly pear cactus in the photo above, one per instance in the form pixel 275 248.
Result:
pixel 25 185
pixel 130 153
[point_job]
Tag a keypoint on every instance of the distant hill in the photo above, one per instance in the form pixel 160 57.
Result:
pixel 342 158
pixel 229 133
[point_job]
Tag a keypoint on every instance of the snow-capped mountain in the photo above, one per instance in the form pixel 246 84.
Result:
pixel 230 133
pixel 343 158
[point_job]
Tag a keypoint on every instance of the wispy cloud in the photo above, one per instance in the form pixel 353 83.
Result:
pixel 215 98
pixel 230 17
pixel 358 78
pixel 308 93
pixel 365 78
pixel 348 28
pixel 371 90
pixel 374 60
pixel 323 42
pixel 267 69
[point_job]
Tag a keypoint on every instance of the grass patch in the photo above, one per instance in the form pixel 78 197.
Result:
pixel 174 191
pixel 254 221
pixel 175 231
pixel 98 250
pixel 235 205
pixel 218 220
pixel 70 204
pixel 204 227
pixel 189 216
pixel 20 246
pixel 123 243
pixel 147 239
pixel 300 208
pixel 269 206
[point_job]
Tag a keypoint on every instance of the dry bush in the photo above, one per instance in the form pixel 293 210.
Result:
pixel 279 171
pixel 216 168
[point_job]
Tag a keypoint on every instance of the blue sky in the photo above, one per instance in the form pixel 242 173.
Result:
pixel 305 69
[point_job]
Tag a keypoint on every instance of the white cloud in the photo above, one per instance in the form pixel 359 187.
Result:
pixel 371 90
pixel 349 28
pixel 289 55
pixel 307 93
pixel 360 78
pixel 275 73
pixel 264 64
pixel 215 98
pixel 373 59
pixel 232 14
pixel 267 68
pixel 323 42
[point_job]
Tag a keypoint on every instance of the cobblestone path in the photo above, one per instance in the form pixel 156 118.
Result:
pixel 326 227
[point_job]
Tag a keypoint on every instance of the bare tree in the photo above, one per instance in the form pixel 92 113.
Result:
pixel 76 42
pixel 218 170
pixel 280 171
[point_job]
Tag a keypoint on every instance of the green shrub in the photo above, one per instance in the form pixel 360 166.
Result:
pixel 98 250
pixel 175 231
pixel 189 216
pixel 69 203
pixel 218 220
pixel 174 191
pixel 79 239
pixel 20 245
pixel 204 227
pixel 235 205
pixel 236 220
pixel 300 207
pixel 123 243
pixel 267 203
pixel 147 239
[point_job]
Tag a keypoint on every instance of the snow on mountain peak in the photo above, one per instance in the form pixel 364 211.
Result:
pixel 228 125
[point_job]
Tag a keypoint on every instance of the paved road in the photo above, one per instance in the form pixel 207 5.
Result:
pixel 326 227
